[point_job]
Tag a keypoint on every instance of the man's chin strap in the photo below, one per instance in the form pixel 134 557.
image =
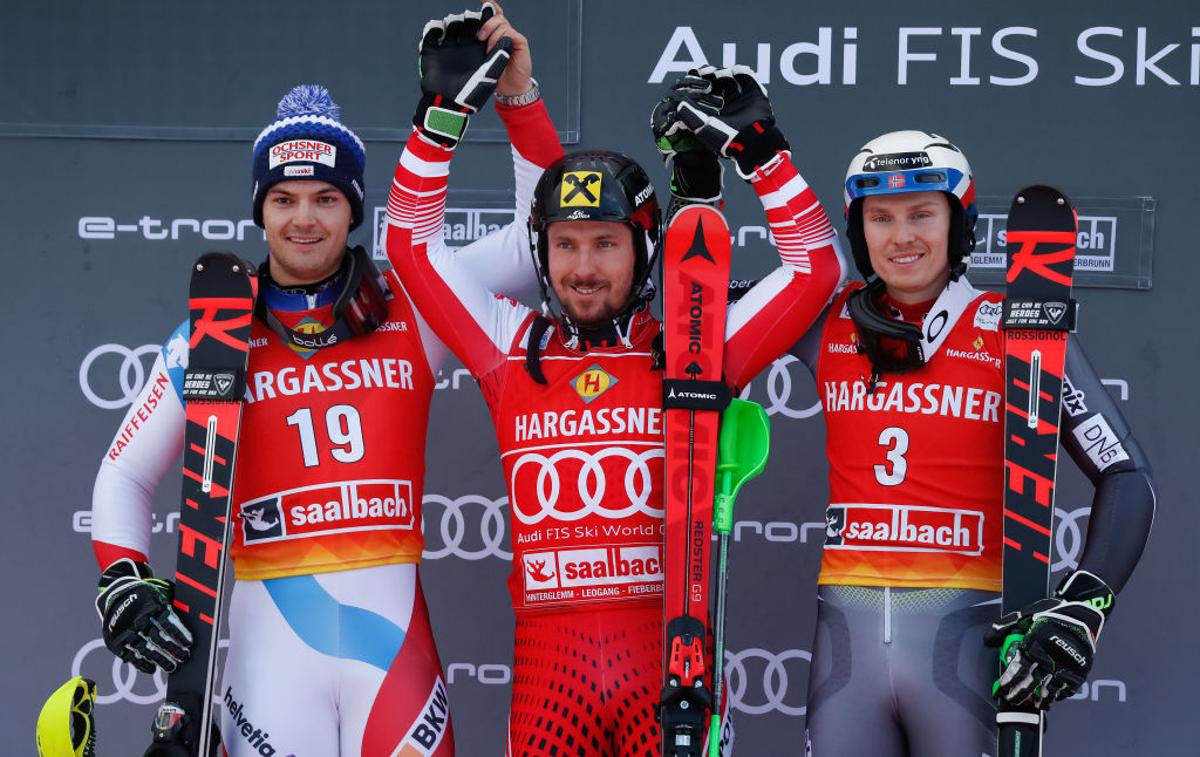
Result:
pixel 578 336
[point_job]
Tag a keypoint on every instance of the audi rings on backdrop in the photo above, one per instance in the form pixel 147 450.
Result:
pixel 757 695
pixel 1068 537
pixel 591 484
pixel 457 522
pixel 779 390
pixel 123 683
pixel 131 375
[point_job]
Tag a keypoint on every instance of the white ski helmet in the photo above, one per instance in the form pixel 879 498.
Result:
pixel 902 162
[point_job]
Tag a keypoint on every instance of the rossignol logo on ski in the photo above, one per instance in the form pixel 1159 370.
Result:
pixel 899 528
pixel 1041 263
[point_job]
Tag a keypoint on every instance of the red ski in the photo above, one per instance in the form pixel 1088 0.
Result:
pixel 696 260
pixel 221 300
pixel 1038 314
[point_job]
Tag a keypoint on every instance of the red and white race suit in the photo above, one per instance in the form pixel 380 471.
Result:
pixel 326 616
pixel 583 453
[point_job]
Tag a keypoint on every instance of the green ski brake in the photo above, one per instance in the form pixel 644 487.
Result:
pixel 743 446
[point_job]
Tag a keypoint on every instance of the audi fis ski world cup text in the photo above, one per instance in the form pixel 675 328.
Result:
pixel 956 56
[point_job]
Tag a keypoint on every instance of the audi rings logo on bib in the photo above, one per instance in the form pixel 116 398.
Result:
pixel 900 528
pixel 571 484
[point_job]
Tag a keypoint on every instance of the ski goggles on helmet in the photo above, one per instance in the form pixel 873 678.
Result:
pixel 902 182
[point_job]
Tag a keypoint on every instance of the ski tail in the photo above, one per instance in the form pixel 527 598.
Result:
pixel 696 260
pixel 221 300
pixel 1038 316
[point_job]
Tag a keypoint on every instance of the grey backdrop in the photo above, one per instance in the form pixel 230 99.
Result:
pixel 124 135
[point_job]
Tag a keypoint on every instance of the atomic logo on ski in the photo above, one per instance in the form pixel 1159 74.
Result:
pixel 699 248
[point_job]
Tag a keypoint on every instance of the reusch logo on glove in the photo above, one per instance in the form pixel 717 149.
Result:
pixel 580 189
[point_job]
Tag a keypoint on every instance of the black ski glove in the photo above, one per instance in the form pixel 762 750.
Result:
pixel 743 130
pixel 458 74
pixel 138 623
pixel 1047 648
pixel 696 171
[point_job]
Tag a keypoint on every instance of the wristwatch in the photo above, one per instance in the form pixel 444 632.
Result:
pixel 532 95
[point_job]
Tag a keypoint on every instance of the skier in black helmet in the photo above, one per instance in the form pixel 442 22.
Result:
pixel 575 390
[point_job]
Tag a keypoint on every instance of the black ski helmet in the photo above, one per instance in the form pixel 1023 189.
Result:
pixel 597 185
pixel 902 162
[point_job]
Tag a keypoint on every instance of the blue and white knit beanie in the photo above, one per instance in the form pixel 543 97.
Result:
pixel 308 141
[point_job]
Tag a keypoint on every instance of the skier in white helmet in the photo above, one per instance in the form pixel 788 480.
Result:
pixel 909 368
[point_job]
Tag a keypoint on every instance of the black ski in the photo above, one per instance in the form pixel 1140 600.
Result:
pixel 1038 314
pixel 221 301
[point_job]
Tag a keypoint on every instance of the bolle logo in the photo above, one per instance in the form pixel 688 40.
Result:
pixel 256 737
pixel 897 161
pixel 592 383
pixel 156 229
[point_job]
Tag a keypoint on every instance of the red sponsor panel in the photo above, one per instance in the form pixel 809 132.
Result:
pixel 902 528
pixel 330 508
pixel 593 573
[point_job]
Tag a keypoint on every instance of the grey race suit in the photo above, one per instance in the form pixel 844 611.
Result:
pixel 903 671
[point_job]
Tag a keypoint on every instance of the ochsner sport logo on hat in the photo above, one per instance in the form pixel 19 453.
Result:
pixel 303 150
